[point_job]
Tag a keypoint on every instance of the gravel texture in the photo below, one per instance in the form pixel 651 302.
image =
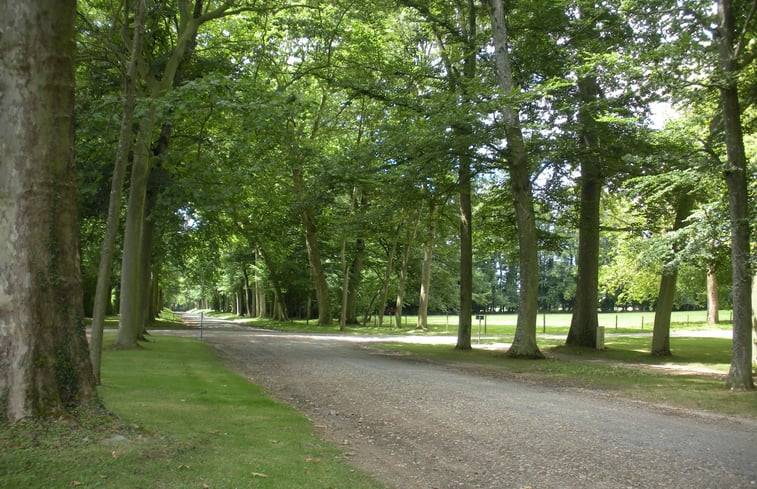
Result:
pixel 415 424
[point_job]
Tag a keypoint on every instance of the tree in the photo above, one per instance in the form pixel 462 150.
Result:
pixel 524 342
pixel 44 360
pixel 729 51
pixel 158 72
pixel 666 294
pixel 102 292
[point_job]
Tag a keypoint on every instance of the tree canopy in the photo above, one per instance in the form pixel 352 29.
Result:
pixel 319 159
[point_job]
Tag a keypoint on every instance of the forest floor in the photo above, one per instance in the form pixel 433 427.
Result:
pixel 414 423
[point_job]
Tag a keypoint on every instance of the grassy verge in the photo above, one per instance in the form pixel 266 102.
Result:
pixel 183 421
pixel 625 369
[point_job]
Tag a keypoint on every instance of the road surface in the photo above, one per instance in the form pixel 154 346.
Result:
pixel 419 425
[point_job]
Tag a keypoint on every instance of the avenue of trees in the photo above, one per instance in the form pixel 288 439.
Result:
pixel 350 161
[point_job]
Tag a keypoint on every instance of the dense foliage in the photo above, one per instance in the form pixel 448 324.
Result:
pixel 310 159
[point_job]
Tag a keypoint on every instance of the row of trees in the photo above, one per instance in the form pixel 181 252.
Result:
pixel 328 158
pixel 315 147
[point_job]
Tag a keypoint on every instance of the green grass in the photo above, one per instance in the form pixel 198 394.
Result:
pixel 623 369
pixel 181 421
pixel 494 324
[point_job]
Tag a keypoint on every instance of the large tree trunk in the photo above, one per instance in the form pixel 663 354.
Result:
pixel 44 361
pixel 524 342
pixel 740 373
pixel 667 292
pixel 713 303
pixel 584 322
pixel 103 288
pixel 428 256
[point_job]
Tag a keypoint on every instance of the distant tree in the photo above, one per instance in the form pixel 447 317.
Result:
pixel 44 361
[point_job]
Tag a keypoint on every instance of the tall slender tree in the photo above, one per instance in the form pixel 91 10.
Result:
pixel 103 288
pixel 524 342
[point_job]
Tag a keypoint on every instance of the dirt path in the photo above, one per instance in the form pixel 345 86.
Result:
pixel 418 425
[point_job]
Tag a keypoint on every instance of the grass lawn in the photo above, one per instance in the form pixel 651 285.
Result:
pixel 181 421
pixel 493 324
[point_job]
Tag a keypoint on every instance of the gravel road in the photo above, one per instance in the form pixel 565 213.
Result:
pixel 419 425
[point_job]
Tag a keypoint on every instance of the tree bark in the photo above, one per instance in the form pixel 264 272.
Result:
pixel 740 373
pixel 524 343
pixel 667 291
pixel 45 369
pixel 103 288
pixel 713 303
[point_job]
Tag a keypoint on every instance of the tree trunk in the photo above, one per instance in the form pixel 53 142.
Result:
pixel 103 288
pixel 524 343
pixel 129 326
pixel 279 313
pixel 584 322
pixel 754 320
pixel 667 292
pixel 356 277
pixel 45 369
pixel 740 373
pixel 409 238
pixel 465 159
pixel 713 304
pixel 388 274
pixel 247 293
pixel 428 254
pixel 466 256
pixel 314 255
